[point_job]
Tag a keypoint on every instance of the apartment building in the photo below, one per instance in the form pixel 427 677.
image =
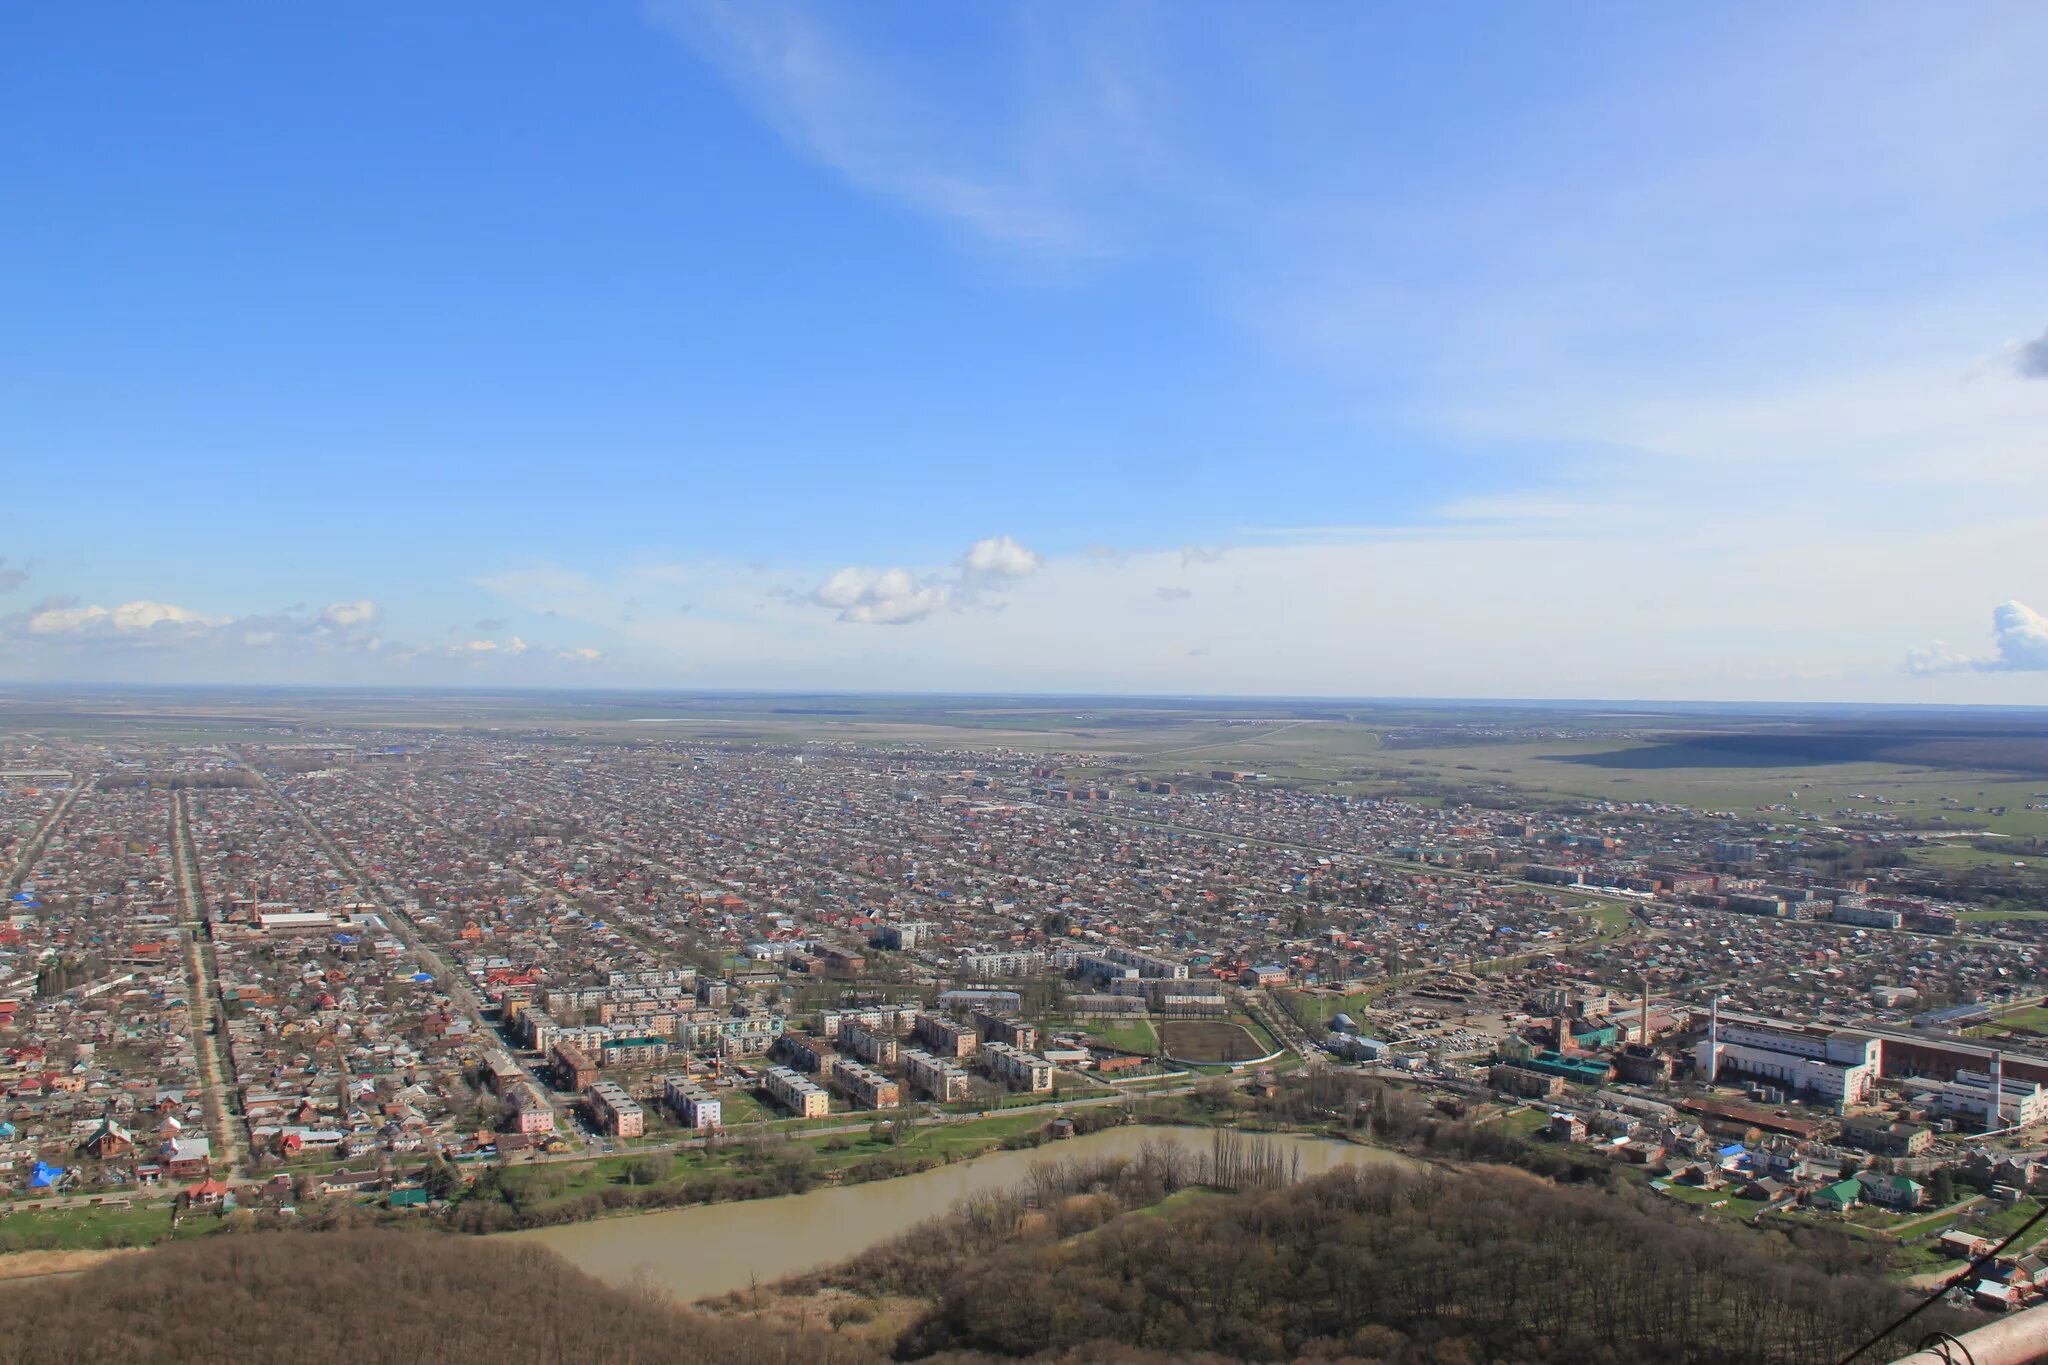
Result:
pixel 892 1018
pixel 1016 1068
pixel 796 1094
pixel 530 1110
pixel 693 1105
pixel 1005 1028
pixel 574 1068
pixel 935 1076
pixel 802 1052
pixel 865 1087
pixel 908 935
pixel 871 1044
pixel 1014 962
pixel 946 1037
pixel 615 1111
pixel 1150 965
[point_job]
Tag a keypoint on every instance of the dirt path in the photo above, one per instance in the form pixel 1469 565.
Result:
pixel 35 1265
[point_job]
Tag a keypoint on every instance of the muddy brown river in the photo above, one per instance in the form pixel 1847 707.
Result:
pixel 712 1249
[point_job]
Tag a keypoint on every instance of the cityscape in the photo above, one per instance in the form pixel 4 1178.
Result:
pixel 447 973
pixel 791 682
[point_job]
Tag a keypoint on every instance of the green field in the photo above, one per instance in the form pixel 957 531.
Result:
pixel 1129 1035
pixel 1212 1041
pixel 88 1226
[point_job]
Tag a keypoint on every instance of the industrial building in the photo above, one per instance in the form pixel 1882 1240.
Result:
pixel 1835 1066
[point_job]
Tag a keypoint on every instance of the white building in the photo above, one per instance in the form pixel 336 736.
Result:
pixel 1969 1096
pixel 691 1103
pixel 1832 1065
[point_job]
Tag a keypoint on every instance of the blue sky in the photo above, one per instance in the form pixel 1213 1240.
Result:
pixel 1348 349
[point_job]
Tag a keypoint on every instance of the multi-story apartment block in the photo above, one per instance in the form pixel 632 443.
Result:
pixel 1148 964
pixel 796 1094
pixel 616 1112
pixel 907 935
pixel 803 1052
pixel 573 1067
pixel 946 1037
pixel 693 1105
pixel 644 1051
pixel 867 1088
pixel 1016 1068
pixel 892 1018
pixel 1003 1028
pixel 749 1035
pixel 870 1044
pixel 1015 962
pixel 935 1076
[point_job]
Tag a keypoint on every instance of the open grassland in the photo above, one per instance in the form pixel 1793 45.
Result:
pixel 1212 1041
pixel 83 1226
pixel 1129 1035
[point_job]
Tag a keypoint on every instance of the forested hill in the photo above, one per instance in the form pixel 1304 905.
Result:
pixel 372 1298
pixel 1431 1267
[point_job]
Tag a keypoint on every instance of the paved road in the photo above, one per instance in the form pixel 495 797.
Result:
pixel 25 862
pixel 209 1039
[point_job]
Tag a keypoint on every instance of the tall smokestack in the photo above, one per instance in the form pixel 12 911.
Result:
pixel 1644 1032
pixel 1563 1032
pixel 1994 1116
pixel 1714 1041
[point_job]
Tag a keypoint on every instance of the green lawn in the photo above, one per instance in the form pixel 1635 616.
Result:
pixel 1129 1035
pixel 1521 1122
pixel 2006 1220
pixel 1717 1201
pixel 76 1229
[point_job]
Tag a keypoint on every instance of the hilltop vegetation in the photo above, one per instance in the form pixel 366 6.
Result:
pixel 1372 1264
pixel 1126 1261
pixel 371 1298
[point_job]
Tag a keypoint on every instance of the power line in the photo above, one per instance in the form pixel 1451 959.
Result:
pixel 1917 1309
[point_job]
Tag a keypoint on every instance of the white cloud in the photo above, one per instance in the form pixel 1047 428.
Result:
pixel 516 645
pixel 130 618
pixel 585 655
pixel 2019 637
pixel 898 596
pixel 474 647
pixel 889 597
pixel 1001 557
pixel 349 615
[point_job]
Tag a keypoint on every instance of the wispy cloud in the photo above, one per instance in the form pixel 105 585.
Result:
pixel 1025 166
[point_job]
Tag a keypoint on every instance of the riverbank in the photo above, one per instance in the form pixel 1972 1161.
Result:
pixel 712 1249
